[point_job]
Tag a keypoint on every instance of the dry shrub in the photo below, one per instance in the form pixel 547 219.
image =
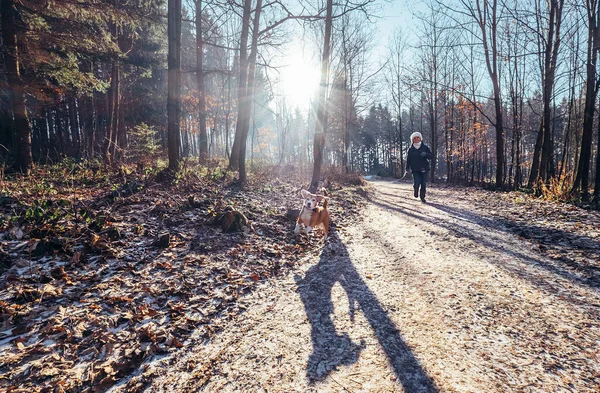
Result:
pixel 336 178
pixel 264 172
pixel 216 162
pixel 558 188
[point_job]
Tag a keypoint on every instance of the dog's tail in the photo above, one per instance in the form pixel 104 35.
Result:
pixel 325 200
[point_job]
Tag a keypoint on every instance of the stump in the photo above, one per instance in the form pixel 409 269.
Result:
pixel 231 220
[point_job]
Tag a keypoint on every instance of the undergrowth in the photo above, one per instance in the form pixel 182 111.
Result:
pixel 69 189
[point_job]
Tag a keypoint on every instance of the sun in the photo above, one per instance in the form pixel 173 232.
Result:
pixel 299 80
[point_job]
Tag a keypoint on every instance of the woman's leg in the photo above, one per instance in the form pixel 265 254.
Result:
pixel 417 179
pixel 423 185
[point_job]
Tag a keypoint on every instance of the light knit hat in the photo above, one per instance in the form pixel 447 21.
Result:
pixel 415 134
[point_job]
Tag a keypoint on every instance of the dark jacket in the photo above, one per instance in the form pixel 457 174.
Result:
pixel 416 160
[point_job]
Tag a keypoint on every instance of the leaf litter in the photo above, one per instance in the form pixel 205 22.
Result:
pixel 95 305
pixel 94 282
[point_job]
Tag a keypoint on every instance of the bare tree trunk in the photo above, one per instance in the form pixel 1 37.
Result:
pixel 113 98
pixel 52 135
pixel 44 142
pixel 7 141
pixel 535 164
pixel 200 76
pixel 518 103
pixel 121 127
pixel 62 130
pixel 115 113
pixel 174 83
pixel 499 135
pixel 243 104
pixel 400 116
pixel 596 198
pixel 90 124
pixel 8 17
pixel 546 170
pixel 346 121
pixel 320 129
pixel 581 183
pixel 249 91
pixel 485 12
pixel 567 137
pixel 75 128
pixel 185 136
pixel 434 105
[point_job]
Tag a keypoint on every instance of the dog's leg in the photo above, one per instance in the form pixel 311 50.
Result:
pixel 307 230
pixel 326 227
pixel 297 229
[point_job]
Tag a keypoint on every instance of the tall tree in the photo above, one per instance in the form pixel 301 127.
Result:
pixel 10 32
pixel 203 138
pixel 320 128
pixel 174 83
pixel 516 73
pixel 548 45
pixel 581 183
pixel 596 198
pixel 242 92
pixel 394 73
pixel 485 13
pixel 249 90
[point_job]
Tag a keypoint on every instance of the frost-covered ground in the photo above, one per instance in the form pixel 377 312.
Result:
pixel 473 292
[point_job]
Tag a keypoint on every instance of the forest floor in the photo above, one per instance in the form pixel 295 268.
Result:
pixel 475 291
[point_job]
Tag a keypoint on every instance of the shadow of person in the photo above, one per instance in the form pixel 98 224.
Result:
pixel 331 349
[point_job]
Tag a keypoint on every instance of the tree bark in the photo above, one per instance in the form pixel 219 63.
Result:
pixel 6 131
pixel 74 127
pixel 249 91
pixel 482 15
pixel 596 198
pixel 581 183
pixel 321 127
pixel 535 164
pixel 21 123
pixel 110 142
pixel 174 83
pixel 203 137
pixel 62 130
pixel 243 104
pixel 546 169
pixel 44 142
pixel 121 126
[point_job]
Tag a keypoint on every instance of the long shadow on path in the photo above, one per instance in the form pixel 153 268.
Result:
pixel 331 349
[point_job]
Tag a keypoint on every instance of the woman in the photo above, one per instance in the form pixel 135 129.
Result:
pixel 417 160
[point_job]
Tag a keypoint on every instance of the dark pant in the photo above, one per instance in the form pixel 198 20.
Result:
pixel 419 180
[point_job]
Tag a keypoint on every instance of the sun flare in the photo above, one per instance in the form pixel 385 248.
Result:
pixel 299 80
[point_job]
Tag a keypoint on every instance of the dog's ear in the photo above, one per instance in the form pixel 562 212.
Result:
pixel 320 198
pixel 304 193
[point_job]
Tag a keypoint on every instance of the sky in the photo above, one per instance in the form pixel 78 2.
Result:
pixel 398 13
pixel 300 71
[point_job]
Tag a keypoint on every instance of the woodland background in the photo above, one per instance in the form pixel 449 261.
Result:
pixel 504 91
pixel 150 166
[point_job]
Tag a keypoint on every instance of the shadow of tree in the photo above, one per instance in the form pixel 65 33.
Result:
pixel 331 349
pixel 536 233
pixel 498 242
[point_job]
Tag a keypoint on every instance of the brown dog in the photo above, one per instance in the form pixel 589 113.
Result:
pixel 312 214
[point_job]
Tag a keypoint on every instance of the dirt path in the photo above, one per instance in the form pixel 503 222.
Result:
pixel 413 298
